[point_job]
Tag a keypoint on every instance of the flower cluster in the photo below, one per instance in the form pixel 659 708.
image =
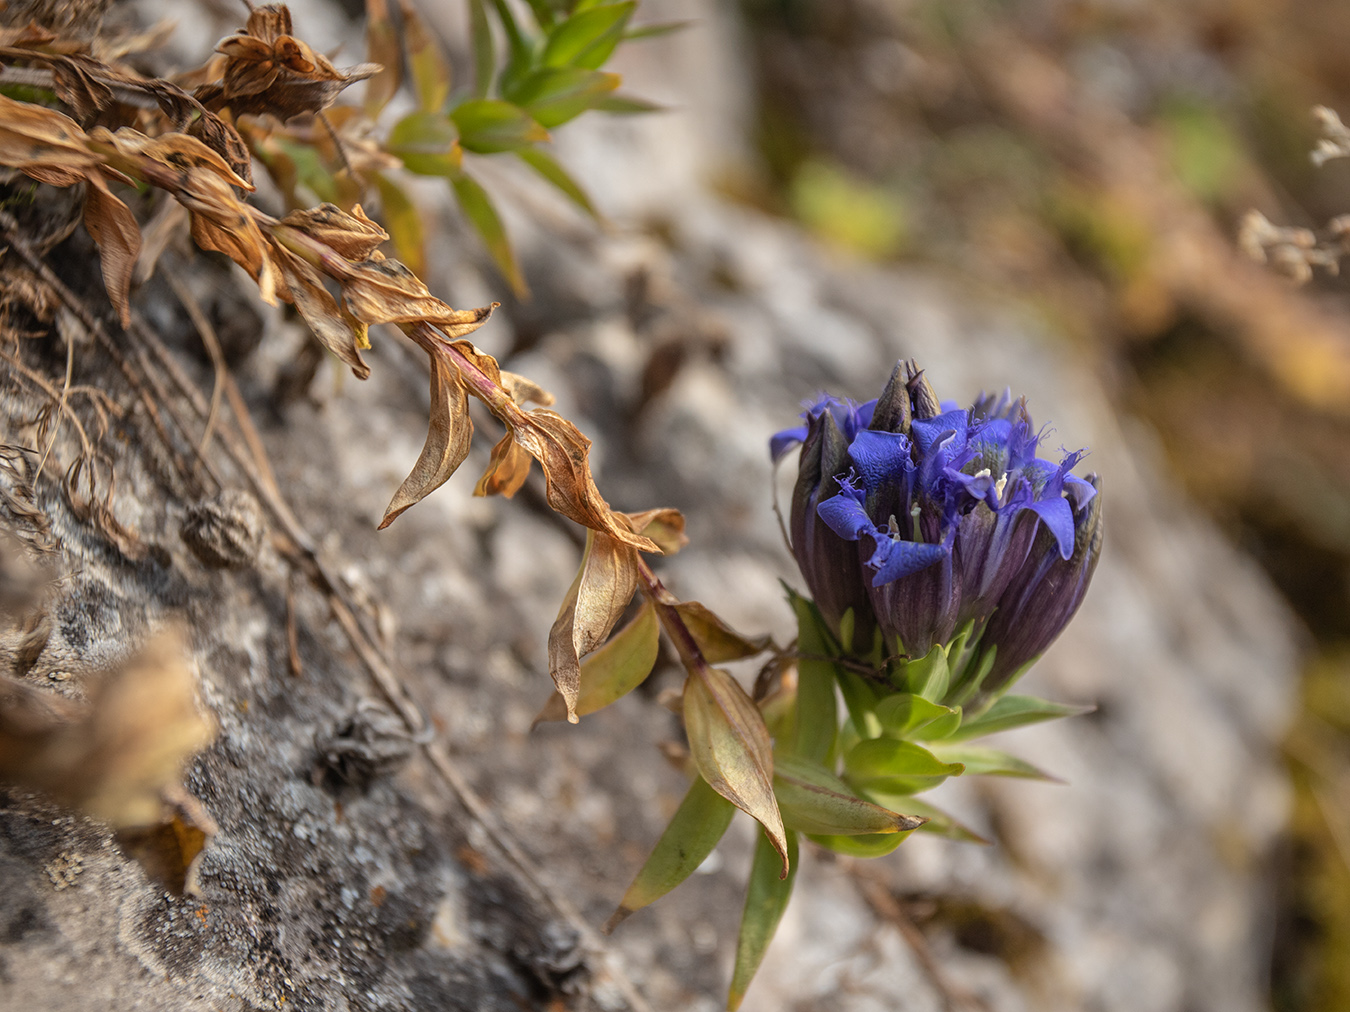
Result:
pixel 925 522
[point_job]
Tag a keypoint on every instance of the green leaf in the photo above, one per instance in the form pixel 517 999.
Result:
pixel 861 698
pixel 404 222
pixel 730 746
pixel 817 709
pixel 1016 711
pixel 940 823
pixel 693 832
pixel 991 761
pixel 896 767
pixel 905 715
pixel 928 676
pixel 484 50
pixel 430 70
pixel 489 125
pixel 382 47
pixel 520 59
pixel 547 166
pixel 765 900
pixel 871 845
pixel 625 105
pixel 655 29
pixel 717 641
pixel 555 95
pixel 814 800
pixel 587 39
pixel 477 206
pixel 544 12
pixel 427 143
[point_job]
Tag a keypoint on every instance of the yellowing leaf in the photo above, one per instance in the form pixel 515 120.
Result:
pixel 597 598
pixel 701 820
pixel 430 70
pixel 448 437
pixel 381 47
pixel 614 670
pixel 814 800
pixel 717 641
pixel 730 745
pixel 405 223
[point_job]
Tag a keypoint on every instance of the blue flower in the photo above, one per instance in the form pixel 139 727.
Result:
pixel 928 519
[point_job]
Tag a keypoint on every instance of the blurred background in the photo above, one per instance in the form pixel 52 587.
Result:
pixel 1091 162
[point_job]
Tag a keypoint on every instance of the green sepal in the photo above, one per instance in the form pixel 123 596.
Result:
pixel 692 833
pixel 765 900
pixel 1015 711
pixel 871 845
pixel 927 676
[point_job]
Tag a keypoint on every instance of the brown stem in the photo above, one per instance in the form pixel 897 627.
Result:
pixel 691 656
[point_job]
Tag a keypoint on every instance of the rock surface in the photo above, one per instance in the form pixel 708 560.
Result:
pixel 679 339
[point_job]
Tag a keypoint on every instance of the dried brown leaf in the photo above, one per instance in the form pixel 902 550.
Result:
pixel 448 438
pixel 665 526
pixel 385 291
pixel 113 228
pixel 337 331
pixel 351 234
pixel 115 757
pixel 597 598
pixel 717 641
pixel 507 469
pixel 524 390
pixel 43 143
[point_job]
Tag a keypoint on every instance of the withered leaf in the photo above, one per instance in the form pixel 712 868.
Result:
pixel 717 641
pixel 113 228
pixel 115 757
pixel 524 390
pixel 77 87
pixel 351 234
pixel 385 291
pixel 507 469
pixel 336 331
pixel 665 526
pixel 448 438
pixel 615 669
pixel 43 143
pixel 732 749
pixel 562 452
pixel 174 150
pixel 604 585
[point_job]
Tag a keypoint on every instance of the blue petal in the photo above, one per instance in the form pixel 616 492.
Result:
pixel 845 515
pixel 896 559
pixel 1057 515
pixel 927 431
pixel 881 456
pixel 781 442
pixel 1080 491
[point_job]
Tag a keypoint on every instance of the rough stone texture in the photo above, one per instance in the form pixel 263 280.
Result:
pixel 1136 886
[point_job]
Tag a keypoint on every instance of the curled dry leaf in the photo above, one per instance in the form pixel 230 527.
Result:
pixel 507 469
pixel 337 330
pixel 717 641
pixel 614 670
pixel 115 757
pixel 349 233
pixel 113 228
pixel 731 747
pixel 44 144
pixel 385 291
pixel 665 526
pixel 448 438
pixel 597 598
pixel 524 390
pixel 268 70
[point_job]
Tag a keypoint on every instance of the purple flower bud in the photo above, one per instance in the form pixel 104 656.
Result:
pixel 927 519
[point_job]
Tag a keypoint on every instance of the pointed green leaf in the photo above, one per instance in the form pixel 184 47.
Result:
pixel 990 761
pixel 655 29
pixel 814 800
pixel 404 222
pixel 717 641
pixel 817 709
pixel 693 832
pixel 870 845
pixel 861 698
pixel 730 746
pixel 547 166
pixel 1015 711
pixel 489 125
pixel 484 50
pixel 896 767
pixel 555 95
pixel 520 57
pixel 765 900
pixel 477 206
pixel 905 715
pixel 614 670
pixel 427 143
pixel 940 822
pixel 544 12
pixel 927 676
pixel 587 39
pixel 430 70
pixel 382 47
pixel 625 105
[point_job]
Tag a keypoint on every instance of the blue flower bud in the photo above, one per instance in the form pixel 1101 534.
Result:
pixel 927 520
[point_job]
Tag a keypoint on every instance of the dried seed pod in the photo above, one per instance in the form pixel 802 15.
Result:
pixel 225 531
